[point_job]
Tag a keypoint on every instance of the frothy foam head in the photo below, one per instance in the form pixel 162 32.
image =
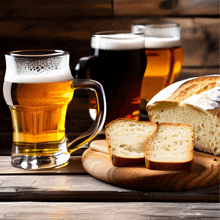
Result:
pixel 161 43
pixel 37 67
pixel 117 41
pixel 158 35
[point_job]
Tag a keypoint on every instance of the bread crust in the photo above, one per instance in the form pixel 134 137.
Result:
pixel 125 161
pixel 194 86
pixel 172 166
pixel 185 166
pixel 202 93
pixel 202 96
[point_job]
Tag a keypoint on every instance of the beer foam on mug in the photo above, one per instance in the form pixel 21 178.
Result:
pixel 126 41
pixel 160 43
pixel 34 70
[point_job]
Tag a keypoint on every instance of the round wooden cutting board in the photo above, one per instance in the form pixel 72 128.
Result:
pixel 205 172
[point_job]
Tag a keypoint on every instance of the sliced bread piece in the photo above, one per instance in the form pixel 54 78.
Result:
pixel 170 148
pixel 126 140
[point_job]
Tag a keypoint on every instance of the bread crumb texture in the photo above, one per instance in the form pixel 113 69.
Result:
pixel 171 143
pixel 206 126
pixel 127 138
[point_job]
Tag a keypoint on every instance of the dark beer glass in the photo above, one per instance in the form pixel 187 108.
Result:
pixel 118 62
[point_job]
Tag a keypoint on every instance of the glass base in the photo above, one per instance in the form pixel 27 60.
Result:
pixel 35 160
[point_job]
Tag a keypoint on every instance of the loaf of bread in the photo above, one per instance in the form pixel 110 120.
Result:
pixel 195 101
pixel 126 140
pixel 170 148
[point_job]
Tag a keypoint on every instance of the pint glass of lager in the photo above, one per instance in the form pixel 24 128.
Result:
pixel 118 62
pixel 164 55
pixel 38 87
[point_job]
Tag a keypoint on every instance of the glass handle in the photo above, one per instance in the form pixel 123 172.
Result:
pixel 81 67
pixel 100 117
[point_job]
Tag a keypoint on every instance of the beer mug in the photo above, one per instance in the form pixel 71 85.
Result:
pixel 118 62
pixel 38 87
pixel 164 55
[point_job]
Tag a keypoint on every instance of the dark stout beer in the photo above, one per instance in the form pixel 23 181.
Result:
pixel 119 66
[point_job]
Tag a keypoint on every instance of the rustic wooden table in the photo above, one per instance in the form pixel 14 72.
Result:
pixel 71 193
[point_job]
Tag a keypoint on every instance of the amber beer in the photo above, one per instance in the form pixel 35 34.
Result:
pixel 165 58
pixel 38 87
pixel 38 114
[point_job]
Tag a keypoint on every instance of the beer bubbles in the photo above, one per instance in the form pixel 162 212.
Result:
pixel 116 41
pixel 38 88
pixel 32 68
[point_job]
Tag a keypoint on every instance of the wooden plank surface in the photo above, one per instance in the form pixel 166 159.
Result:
pixel 141 8
pixel 74 166
pixel 205 172
pixel 32 9
pixel 114 211
pixel 200 38
pixel 81 188
pixel 168 7
pixel 198 7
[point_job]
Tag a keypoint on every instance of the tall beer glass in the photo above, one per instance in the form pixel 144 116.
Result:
pixel 118 62
pixel 164 54
pixel 38 87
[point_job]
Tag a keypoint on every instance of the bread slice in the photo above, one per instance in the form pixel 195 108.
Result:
pixel 126 140
pixel 195 101
pixel 170 148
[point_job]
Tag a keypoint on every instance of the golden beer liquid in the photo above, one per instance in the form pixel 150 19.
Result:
pixel 163 66
pixel 38 115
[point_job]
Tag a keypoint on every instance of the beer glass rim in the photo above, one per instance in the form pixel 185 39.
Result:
pixel 38 53
pixel 117 40
pixel 107 34
pixel 156 24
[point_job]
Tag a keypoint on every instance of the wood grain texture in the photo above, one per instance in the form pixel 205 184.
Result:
pixel 141 8
pixel 75 185
pixel 85 188
pixel 32 9
pixel 115 211
pixel 205 172
pixel 98 191
pixel 166 7
pixel 199 7
pixel 200 40
pixel 74 166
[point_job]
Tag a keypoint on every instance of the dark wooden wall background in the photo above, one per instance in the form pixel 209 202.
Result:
pixel 69 24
